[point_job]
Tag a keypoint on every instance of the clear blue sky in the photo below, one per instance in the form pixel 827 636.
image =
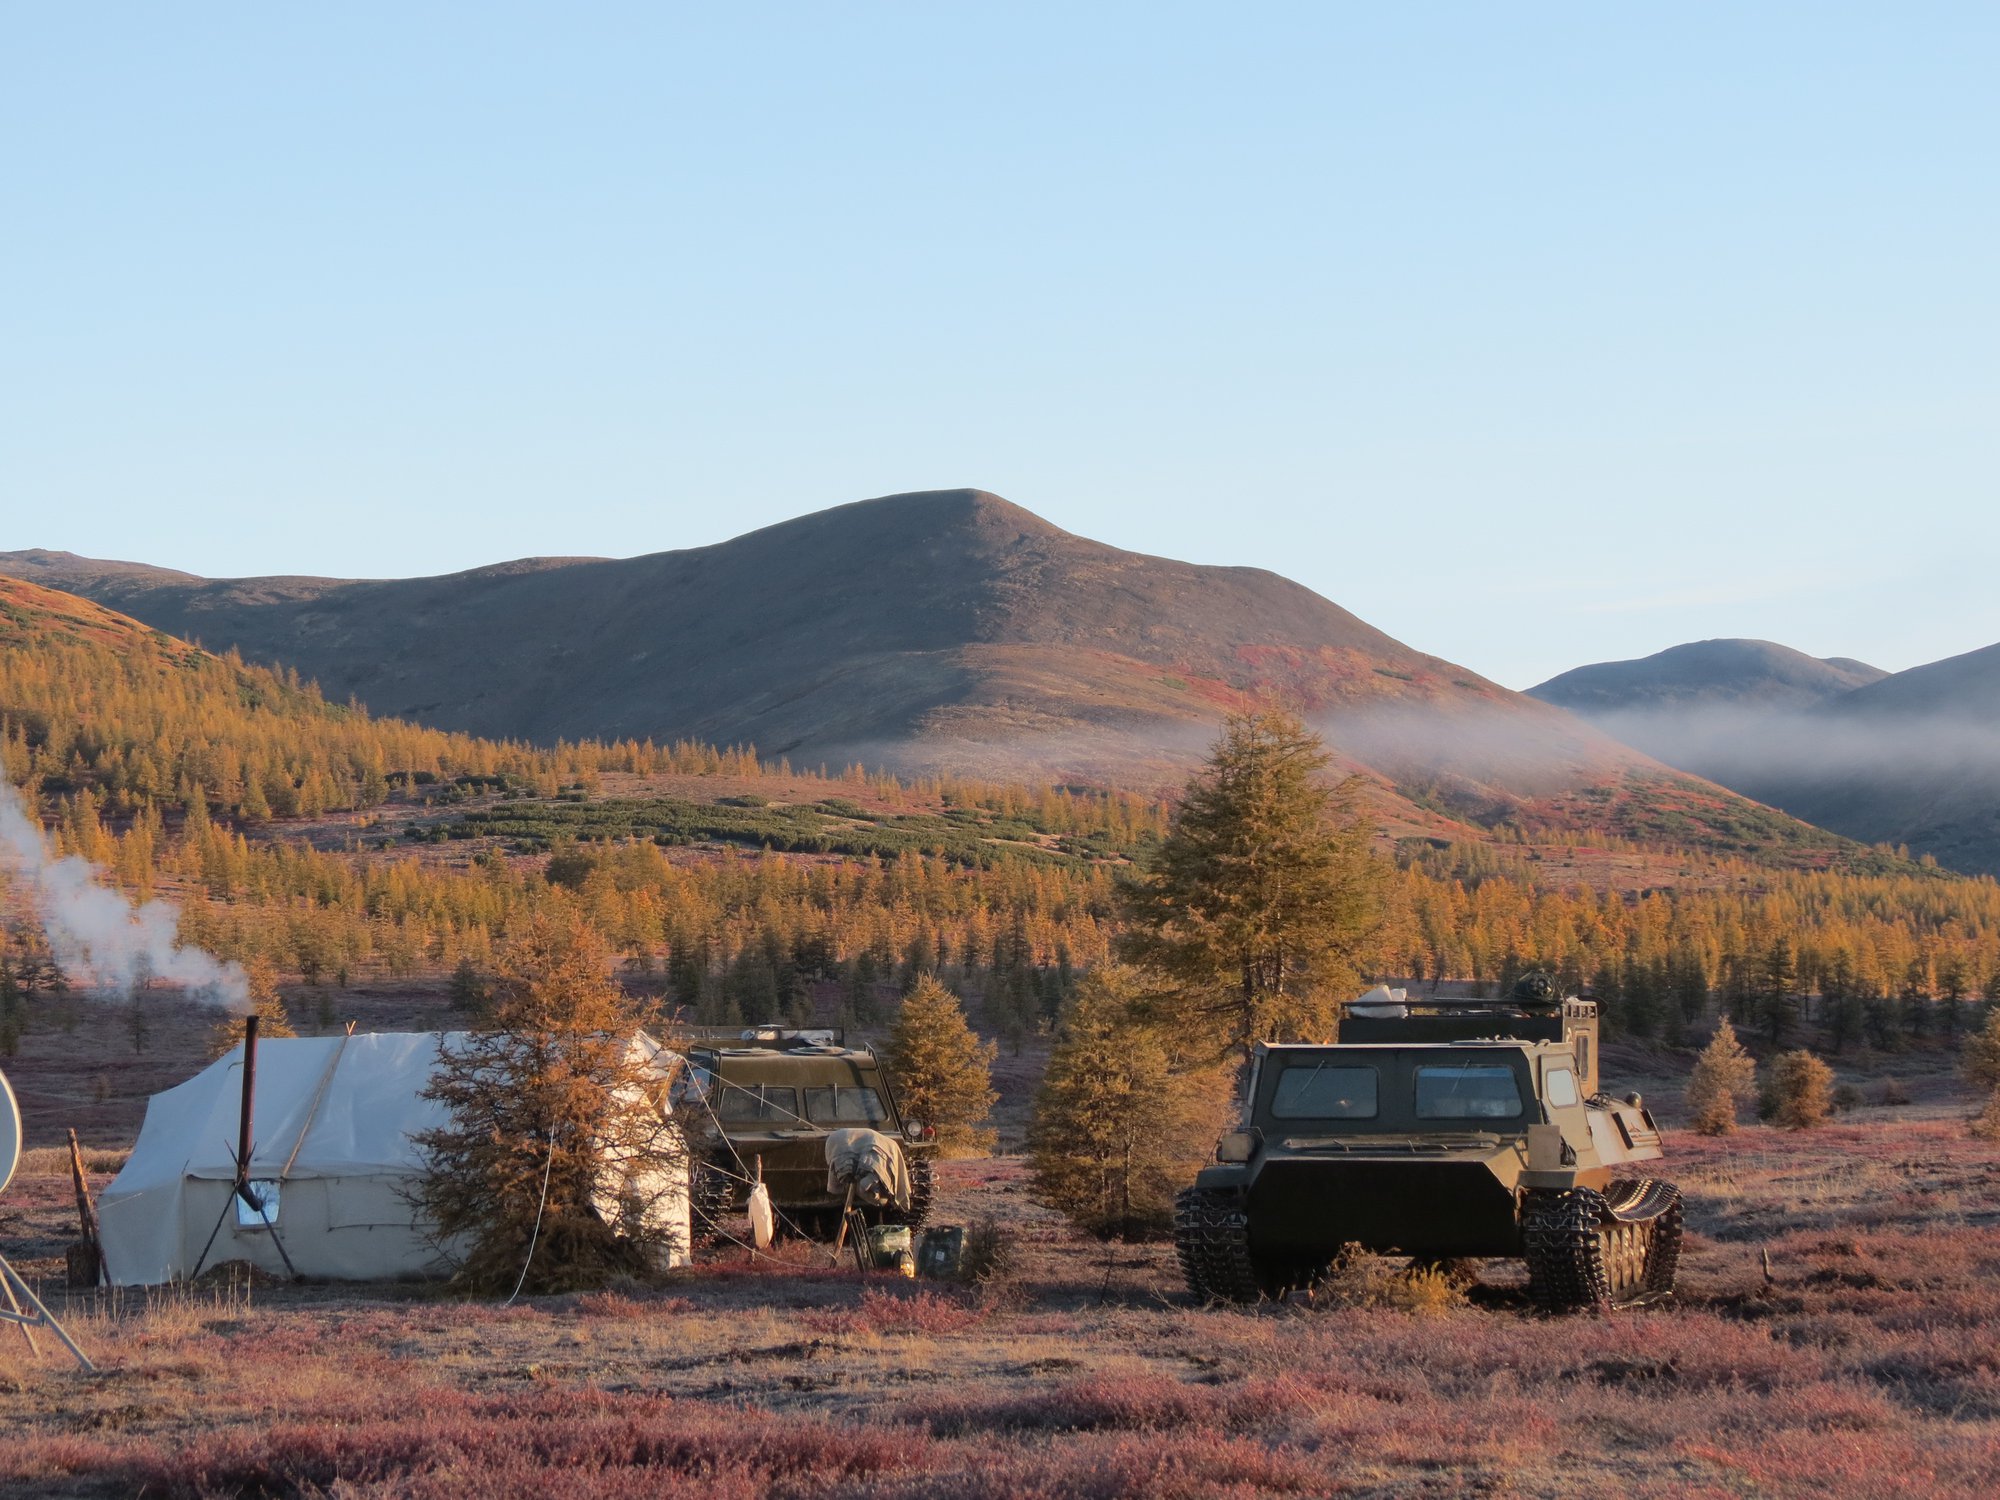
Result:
pixel 1534 334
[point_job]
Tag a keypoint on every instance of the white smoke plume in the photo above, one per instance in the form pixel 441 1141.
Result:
pixel 96 934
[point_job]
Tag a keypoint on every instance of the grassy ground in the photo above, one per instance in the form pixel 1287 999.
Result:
pixel 1866 1362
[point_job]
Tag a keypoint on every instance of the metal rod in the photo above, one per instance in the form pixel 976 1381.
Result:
pixel 12 1278
pixel 266 1215
pixel 20 1319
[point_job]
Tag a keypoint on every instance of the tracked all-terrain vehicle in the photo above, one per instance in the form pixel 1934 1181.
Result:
pixel 1444 1131
pixel 764 1100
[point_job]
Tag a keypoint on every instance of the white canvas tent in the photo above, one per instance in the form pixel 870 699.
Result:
pixel 334 1128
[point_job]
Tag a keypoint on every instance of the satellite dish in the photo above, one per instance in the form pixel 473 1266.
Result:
pixel 10 1132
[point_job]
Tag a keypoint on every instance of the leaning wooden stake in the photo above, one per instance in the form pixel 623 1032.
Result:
pixel 92 1272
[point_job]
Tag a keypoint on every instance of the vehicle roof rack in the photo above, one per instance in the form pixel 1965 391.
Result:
pixel 780 1038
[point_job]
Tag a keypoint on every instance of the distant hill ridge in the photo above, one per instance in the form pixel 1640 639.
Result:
pixel 939 630
pixel 1912 758
pixel 1707 672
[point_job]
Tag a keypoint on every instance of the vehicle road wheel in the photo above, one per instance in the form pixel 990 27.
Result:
pixel 922 1189
pixel 1590 1250
pixel 1212 1238
pixel 708 1202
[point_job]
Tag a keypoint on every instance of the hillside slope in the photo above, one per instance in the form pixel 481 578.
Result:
pixel 945 630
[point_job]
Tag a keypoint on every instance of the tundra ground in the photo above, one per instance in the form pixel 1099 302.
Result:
pixel 1864 1363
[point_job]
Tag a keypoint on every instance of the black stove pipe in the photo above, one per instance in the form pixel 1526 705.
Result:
pixel 249 1104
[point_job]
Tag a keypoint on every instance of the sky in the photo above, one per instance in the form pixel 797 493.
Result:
pixel 1534 334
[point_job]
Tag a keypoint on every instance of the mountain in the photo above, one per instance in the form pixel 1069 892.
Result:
pixel 1706 672
pixel 1911 759
pixel 944 630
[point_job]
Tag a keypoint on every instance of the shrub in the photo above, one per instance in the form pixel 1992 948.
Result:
pixel 1985 1125
pixel 1801 1091
pixel 1892 1092
pixel 1982 1053
pixel 988 1255
pixel 1723 1076
pixel 570 867
pixel 1426 1288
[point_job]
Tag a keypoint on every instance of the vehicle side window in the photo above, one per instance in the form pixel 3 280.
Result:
pixel 1467 1091
pixel 845 1106
pixel 1583 1055
pixel 758 1104
pixel 1560 1086
pixel 1320 1091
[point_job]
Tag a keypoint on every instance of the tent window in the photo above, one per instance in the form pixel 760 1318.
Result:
pixel 247 1217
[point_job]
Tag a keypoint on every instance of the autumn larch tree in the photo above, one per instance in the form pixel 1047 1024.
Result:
pixel 552 1099
pixel 942 1072
pixel 1724 1076
pixel 1120 1123
pixel 1258 906
pixel 265 1004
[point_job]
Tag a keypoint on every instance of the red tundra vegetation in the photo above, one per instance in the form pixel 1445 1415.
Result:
pixel 1865 1362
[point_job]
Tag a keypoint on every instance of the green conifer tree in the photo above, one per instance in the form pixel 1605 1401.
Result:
pixel 1120 1124
pixel 1259 905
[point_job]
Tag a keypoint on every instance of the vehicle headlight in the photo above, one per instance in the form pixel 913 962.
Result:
pixel 1238 1145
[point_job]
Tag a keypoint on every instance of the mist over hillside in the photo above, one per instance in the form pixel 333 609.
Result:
pixel 1912 758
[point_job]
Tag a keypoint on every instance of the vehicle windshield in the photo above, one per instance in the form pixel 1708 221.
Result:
pixel 757 1104
pixel 845 1106
pixel 1323 1091
pixel 1468 1091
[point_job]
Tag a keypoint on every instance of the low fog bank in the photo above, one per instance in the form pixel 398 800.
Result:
pixel 1734 744
pixel 1930 781
pixel 1523 751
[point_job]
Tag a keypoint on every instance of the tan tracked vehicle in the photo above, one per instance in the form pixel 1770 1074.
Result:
pixel 1441 1130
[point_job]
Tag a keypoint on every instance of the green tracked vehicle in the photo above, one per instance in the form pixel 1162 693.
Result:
pixel 1440 1130
pixel 772 1095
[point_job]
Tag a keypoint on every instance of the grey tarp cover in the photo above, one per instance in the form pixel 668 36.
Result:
pixel 872 1161
pixel 335 1124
